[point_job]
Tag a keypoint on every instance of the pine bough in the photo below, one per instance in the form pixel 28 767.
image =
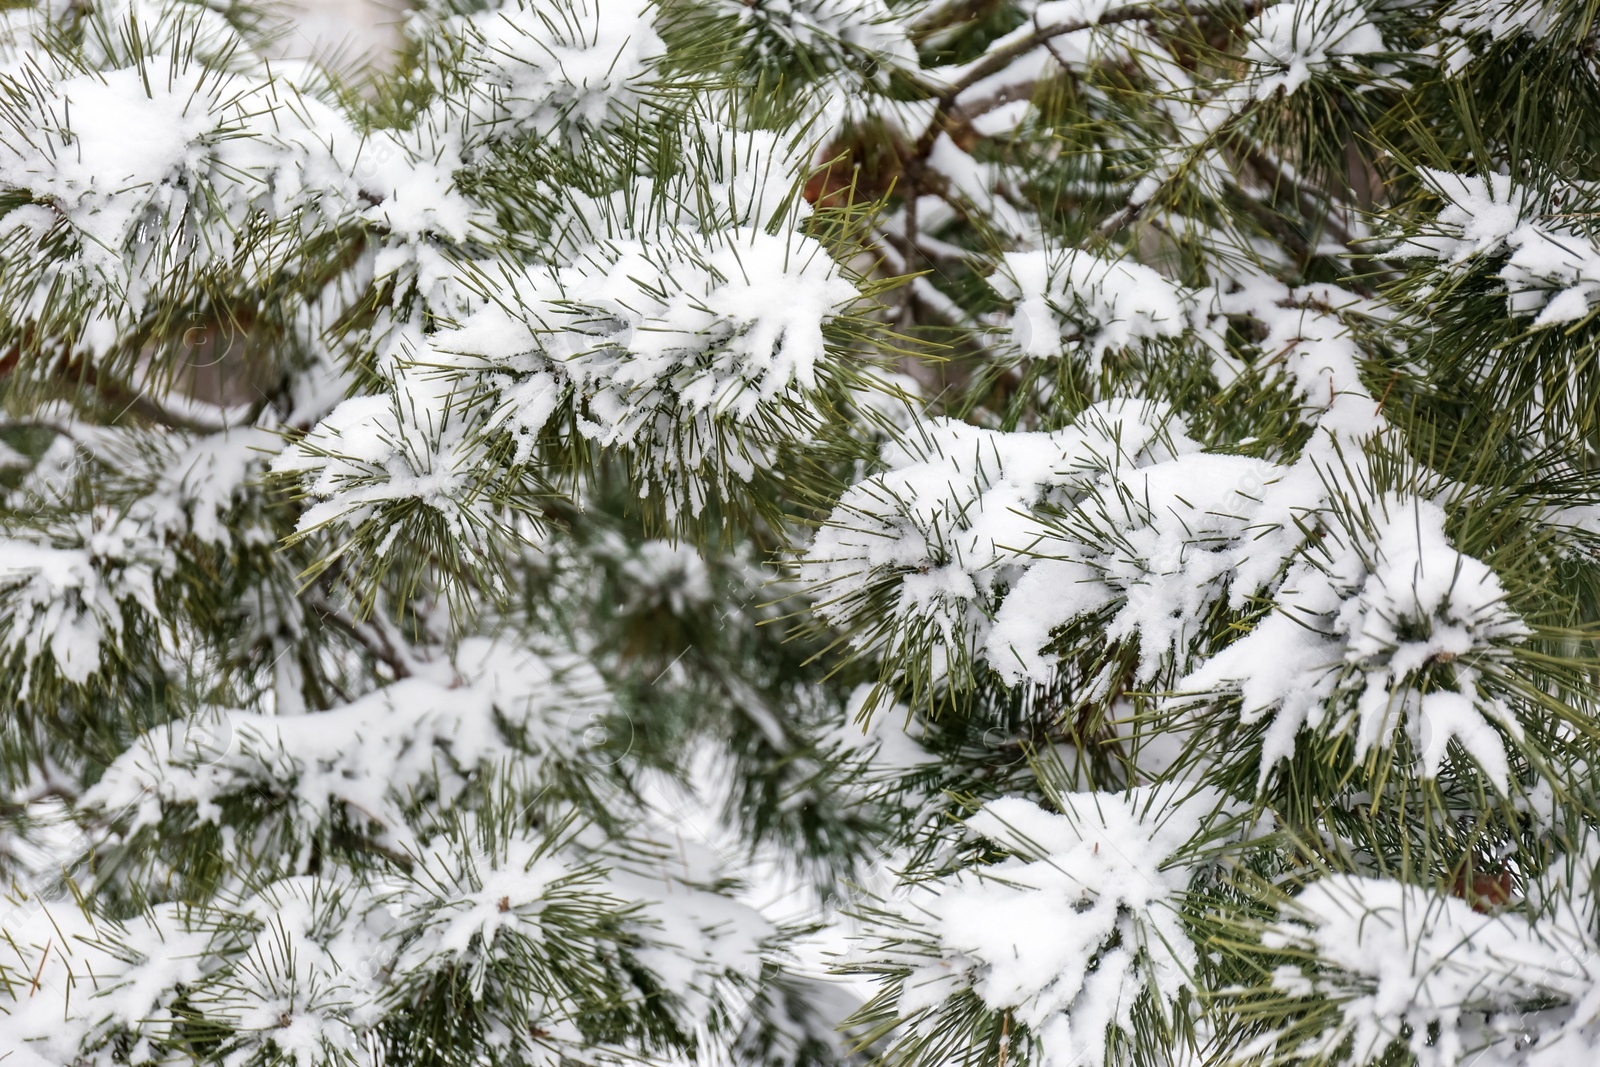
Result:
pixel 1097 502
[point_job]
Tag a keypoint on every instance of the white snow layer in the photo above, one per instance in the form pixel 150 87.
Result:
pixel 1100 304
pixel 1077 927
pixel 367 758
pixel 1294 40
pixel 988 543
pixel 1549 261
pixel 1411 968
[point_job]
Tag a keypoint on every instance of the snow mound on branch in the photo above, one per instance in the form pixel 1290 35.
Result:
pixel 200 481
pixel 111 976
pixel 74 591
pixel 1013 540
pixel 68 596
pixel 535 68
pixel 661 573
pixel 376 450
pixel 369 757
pixel 695 343
pixel 301 977
pixel 726 323
pixel 127 167
pixel 1551 266
pixel 1299 39
pixel 165 27
pixel 846 28
pixel 949 525
pixel 1409 968
pixel 125 133
pixel 464 902
pixel 502 920
pixel 1155 545
pixel 1479 216
pixel 1499 20
pixel 1080 300
pixel 1082 303
pixel 1378 628
pixel 1307 329
pixel 698 351
pixel 1073 931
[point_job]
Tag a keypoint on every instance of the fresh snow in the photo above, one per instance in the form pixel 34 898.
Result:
pixel 1078 926
pixel 459 349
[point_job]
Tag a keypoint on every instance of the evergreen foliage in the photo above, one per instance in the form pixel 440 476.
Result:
pixel 1097 503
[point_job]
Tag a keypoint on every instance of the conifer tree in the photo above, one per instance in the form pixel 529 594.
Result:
pixel 1098 504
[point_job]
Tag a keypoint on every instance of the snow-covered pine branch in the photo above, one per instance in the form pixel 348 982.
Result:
pixel 799 533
